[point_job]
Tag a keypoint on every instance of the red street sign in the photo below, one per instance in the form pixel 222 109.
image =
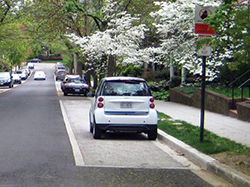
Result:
pixel 200 14
pixel 202 28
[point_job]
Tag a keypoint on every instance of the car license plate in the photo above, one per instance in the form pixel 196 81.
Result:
pixel 77 90
pixel 126 105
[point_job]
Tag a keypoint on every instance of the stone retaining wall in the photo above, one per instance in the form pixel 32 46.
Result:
pixel 214 102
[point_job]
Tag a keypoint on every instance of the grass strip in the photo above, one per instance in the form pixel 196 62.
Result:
pixel 190 134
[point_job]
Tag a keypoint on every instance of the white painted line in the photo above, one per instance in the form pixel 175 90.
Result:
pixel 75 148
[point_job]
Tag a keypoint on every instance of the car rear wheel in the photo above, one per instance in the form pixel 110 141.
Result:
pixel 97 133
pixel 90 125
pixel 152 135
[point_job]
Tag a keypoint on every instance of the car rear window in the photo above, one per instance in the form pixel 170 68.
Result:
pixel 125 88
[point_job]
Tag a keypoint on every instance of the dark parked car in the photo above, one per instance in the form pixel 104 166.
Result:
pixel 73 84
pixel 6 79
pixel 35 60
pixel 60 75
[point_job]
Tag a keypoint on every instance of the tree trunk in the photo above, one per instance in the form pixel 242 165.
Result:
pixel 77 65
pixel 111 66
pixel 183 75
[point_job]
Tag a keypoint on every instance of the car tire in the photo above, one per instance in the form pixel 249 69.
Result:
pixel 65 93
pixel 90 125
pixel 97 133
pixel 152 135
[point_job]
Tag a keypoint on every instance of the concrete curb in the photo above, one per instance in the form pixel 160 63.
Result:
pixel 205 161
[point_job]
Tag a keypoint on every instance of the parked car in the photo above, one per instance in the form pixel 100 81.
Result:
pixel 6 79
pixel 59 68
pixel 60 75
pixel 35 60
pixel 40 75
pixel 73 84
pixel 17 79
pixel 31 65
pixel 22 73
pixel 58 64
pixel 123 104
pixel 28 71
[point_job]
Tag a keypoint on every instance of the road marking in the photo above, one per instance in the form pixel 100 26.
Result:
pixel 75 148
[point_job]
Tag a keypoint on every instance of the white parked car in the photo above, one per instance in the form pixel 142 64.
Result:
pixel 30 65
pixel 39 75
pixel 17 79
pixel 22 73
pixel 123 104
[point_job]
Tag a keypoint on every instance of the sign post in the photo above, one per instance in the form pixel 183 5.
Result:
pixel 204 30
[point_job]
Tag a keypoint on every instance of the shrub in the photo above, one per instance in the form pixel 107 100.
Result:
pixel 159 85
pixel 161 95
pixel 132 71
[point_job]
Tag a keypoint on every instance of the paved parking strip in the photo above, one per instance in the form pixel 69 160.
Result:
pixel 117 150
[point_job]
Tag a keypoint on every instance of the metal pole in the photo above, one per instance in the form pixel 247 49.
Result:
pixel 203 98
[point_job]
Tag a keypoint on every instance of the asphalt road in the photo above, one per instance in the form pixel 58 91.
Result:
pixel 35 149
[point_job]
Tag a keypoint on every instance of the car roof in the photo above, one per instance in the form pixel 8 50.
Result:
pixel 123 79
pixel 72 76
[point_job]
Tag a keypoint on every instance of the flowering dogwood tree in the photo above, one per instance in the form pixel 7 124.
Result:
pixel 175 23
pixel 119 43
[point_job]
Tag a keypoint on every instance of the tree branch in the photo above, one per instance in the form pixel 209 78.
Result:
pixel 6 12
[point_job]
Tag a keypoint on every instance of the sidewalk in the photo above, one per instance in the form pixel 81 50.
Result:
pixel 224 126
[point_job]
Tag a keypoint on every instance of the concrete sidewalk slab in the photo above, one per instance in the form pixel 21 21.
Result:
pixel 220 125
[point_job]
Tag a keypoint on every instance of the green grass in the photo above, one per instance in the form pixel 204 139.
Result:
pixel 228 91
pixel 187 90
pixel 218 89
pixel 190 134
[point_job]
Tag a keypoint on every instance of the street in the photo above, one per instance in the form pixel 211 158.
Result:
pixel 45 141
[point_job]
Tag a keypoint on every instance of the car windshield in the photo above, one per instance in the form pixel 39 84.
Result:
pixel 19 72
pixel 126 88
pixel 61 67
pixel 4 75
pixel 73 80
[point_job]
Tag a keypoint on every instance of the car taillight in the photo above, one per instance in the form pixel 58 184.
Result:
pixel 152 105
pixel 100 102
pixel 100 99
pixel 100 105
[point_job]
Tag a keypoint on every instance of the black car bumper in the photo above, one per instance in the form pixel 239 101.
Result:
pixel 76 90
pixel 5 83
pixel 126 128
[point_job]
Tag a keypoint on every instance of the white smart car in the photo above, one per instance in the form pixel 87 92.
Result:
pixel 123 104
